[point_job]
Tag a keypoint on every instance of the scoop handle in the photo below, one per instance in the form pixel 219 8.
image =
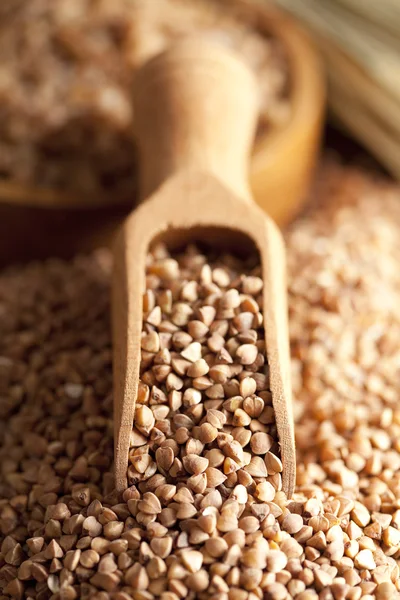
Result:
pixel 196 107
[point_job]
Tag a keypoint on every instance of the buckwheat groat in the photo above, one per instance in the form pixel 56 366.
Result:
pixel 204 403
pixel 65 534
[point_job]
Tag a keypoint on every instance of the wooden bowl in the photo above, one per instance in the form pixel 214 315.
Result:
pixel 283 160
pixel 37 222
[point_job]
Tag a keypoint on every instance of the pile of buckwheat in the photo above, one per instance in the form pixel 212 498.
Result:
pixel 67 71
pixel 193 524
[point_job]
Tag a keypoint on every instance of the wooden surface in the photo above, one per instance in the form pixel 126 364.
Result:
pixel 196 108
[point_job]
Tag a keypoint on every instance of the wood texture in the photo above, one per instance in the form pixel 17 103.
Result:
pixel 196 110
pixel 196 107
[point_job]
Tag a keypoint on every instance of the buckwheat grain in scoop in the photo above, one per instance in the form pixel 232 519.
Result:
pixel 204 413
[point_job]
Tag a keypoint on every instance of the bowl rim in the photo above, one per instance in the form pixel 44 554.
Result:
pixel 306 80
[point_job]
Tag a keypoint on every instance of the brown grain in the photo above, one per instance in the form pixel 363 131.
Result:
pixel 58 508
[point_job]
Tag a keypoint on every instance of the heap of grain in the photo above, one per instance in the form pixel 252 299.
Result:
pixel 66 534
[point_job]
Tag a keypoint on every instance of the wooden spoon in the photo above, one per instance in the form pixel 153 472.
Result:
pixel 196 113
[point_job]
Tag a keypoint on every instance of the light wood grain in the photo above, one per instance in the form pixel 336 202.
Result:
pixel 196 108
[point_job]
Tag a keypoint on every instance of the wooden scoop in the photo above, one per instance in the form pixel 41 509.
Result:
pixel 196 112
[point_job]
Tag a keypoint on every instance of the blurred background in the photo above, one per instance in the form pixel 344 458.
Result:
pixel 328 74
